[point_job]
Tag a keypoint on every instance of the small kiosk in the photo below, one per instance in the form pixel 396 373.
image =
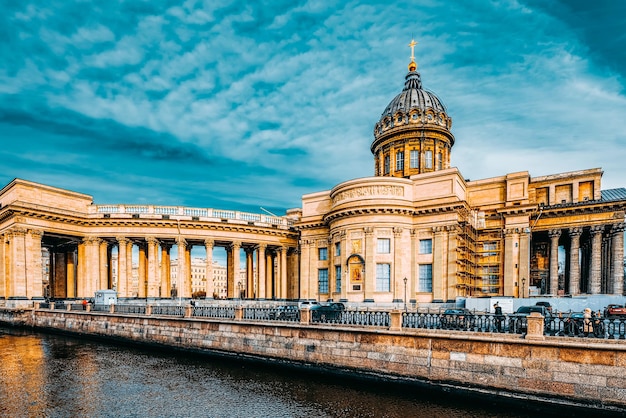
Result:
pixel 106 297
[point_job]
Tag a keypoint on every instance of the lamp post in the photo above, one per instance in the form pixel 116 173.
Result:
pixel 405 280
pixel 523 286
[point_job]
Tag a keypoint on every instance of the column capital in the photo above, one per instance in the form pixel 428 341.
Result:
pixel 90 239
pixel 554 233
pixel 513 231
pixel 368 230
pixel 35 232
pixel 122 240
pixel 262 246
pixel 397 231
pixel 575 232
pixel 235 244
pixel 151 240
pixel 209 242
pixel 180 241
pixel 618 228
pixel 596 229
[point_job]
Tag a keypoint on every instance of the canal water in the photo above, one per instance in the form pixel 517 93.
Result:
pixel 44 375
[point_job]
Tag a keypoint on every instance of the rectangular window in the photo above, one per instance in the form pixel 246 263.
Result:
pixel 439 161
pixel 337 248
pixel 426 278
pixel 322 280
pixel 323 253
pixel 337 278
pixel 415 159
pixel 429 159
pixel 383 277
pixel 386 167
pixel 399 160
pixel 426 246
pixel 383 246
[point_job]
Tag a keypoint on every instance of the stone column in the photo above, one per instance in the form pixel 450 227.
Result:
pixel 554 260
pixel 370 265
pixel 574 261
pixel 210 285
pixel 232 288
pixel 188 280
pixel 511 259
pixel 122 279
pixel 181 274
pixel 250 294
pixel 524 261
pixel 596 254
pixel 283 272
pixel 129 270
pixel 34 268
pixel 104 265
pixel 141 272
pixel 618 258
pixel 153 268
pixel 166 265
pixel 17 263
pixel 270 291
pixel 260 267
pixel 80 269
pixel 71 268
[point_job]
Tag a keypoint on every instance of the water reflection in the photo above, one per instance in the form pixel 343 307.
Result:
pixel 56 376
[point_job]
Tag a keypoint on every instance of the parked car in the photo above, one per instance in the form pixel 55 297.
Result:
pixel 518 321
pixel 460 318
pixel 331 311
pixel 615 311
pixel 546 304
pixel 285 312
pixel 307 303
pixel 574 324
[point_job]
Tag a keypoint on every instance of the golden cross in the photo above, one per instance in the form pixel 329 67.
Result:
pixel 412 45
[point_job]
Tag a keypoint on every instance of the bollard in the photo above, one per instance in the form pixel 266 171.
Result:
pixel 535 327
pixel 395 322
pixel 305 315
pixel 238 313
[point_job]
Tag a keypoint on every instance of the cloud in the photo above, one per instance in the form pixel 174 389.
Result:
pixel 206 103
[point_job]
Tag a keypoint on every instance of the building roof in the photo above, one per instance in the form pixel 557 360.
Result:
pixel 613 194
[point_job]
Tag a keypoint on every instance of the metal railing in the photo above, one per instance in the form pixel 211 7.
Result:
pixel 561 325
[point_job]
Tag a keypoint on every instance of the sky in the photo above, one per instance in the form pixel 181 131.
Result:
pixel 244 105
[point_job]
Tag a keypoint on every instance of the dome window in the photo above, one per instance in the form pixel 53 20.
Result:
pixel 414 116
pixel 399 119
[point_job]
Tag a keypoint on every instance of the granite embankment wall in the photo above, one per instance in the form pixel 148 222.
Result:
pixel 558 370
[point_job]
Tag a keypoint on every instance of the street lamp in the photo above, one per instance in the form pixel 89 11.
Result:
pixel 523 286
pixel 405 279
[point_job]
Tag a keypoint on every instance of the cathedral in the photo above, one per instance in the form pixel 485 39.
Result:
pixel 416 231
pixel 419 231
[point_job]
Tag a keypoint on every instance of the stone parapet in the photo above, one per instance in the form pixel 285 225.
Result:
pixel 568 371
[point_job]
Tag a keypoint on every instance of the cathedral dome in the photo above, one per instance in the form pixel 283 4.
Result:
pixel 413 96
pixel 413 134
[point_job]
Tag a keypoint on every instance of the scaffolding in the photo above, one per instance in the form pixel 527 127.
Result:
pixel 479 257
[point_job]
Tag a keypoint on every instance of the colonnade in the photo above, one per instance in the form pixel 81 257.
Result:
pixel 79 266
pixel 594 260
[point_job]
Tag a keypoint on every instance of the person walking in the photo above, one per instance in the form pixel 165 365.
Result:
pixel 499 317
